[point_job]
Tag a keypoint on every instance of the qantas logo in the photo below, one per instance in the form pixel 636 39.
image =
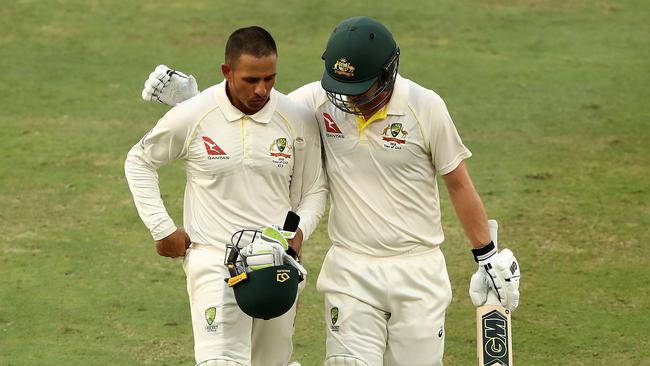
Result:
pixel 213 150
pixel 331 127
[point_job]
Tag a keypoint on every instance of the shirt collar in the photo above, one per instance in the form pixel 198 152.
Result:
pixel 398 102
pixel 379 115
pixel 233 114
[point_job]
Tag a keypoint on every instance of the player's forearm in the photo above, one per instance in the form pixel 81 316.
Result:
pixel 472 216
pixel 312 205
pixel 468 206
pixel 312 216
pixel 143 183
pixel 308 191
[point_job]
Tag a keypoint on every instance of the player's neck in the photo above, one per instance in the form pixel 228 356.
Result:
pixel 239 104
pixel 369 109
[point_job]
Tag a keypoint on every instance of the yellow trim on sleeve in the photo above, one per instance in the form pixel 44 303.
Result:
pixel 292 131
pixel 425 138
pixel 362 123
pixel 193 131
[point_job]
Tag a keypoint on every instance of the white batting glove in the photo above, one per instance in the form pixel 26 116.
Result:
pixel 261 254
pixel 168 86
pixel 498 272
pixel 274 235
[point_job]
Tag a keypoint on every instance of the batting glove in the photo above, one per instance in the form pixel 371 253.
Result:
pixel 498 272
pixel 168 86
pixel 274 235
pixel 261 254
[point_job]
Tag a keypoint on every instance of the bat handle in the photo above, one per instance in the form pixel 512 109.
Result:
pixel 493 226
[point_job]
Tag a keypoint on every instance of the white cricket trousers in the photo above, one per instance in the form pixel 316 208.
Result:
pixel 221 330
pixel 385 311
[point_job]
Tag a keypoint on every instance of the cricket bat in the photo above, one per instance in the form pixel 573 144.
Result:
pixel 493 330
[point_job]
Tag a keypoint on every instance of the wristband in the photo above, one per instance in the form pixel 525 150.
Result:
pixel 482 255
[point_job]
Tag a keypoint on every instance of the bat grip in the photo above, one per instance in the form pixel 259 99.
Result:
pixel 493 226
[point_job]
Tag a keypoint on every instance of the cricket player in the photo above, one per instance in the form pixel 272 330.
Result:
pixel 386 138
pixel 251 154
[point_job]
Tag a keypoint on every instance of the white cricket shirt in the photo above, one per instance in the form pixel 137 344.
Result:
pixel 242 171
pixel 382 177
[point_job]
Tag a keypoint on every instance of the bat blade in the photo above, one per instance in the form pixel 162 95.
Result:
pixel 493 336
pixel 493 326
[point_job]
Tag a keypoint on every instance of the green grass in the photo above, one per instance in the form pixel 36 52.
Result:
pixel 551 97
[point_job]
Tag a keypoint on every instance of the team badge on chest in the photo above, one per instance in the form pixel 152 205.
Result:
pixel 394 136
pixel 280 152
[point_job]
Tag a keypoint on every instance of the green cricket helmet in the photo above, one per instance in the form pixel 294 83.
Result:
pixel 263 285
pixel 268 293
pixel 360 53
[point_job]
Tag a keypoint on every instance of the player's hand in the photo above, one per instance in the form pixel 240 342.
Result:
pixel 168 86
pixel 174 245
pixel 498 272
pixel 295 244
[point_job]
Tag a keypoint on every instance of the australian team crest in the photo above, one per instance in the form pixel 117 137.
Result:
pixel 280 151
pixel 210 316
pixel 343 67
pixel 334 314
pixel 394 135
pixel 281 144
pixel 395 129
pixel 334 317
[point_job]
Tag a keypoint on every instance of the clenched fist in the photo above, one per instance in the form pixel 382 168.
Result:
pixel 174 245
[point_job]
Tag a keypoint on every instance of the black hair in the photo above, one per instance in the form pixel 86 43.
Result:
pixel 255 41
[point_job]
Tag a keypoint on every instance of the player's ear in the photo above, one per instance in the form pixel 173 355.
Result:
pixel 226 70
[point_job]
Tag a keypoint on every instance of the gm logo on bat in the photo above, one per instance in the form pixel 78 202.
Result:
pixel 495 339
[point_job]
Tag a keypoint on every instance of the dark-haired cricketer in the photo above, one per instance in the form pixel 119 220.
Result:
pixel 250 154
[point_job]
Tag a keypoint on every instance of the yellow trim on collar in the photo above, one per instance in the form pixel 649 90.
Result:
pixel 362 123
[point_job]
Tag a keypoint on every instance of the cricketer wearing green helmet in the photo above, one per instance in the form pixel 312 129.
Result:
pixel 361 60
pixel 386 139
